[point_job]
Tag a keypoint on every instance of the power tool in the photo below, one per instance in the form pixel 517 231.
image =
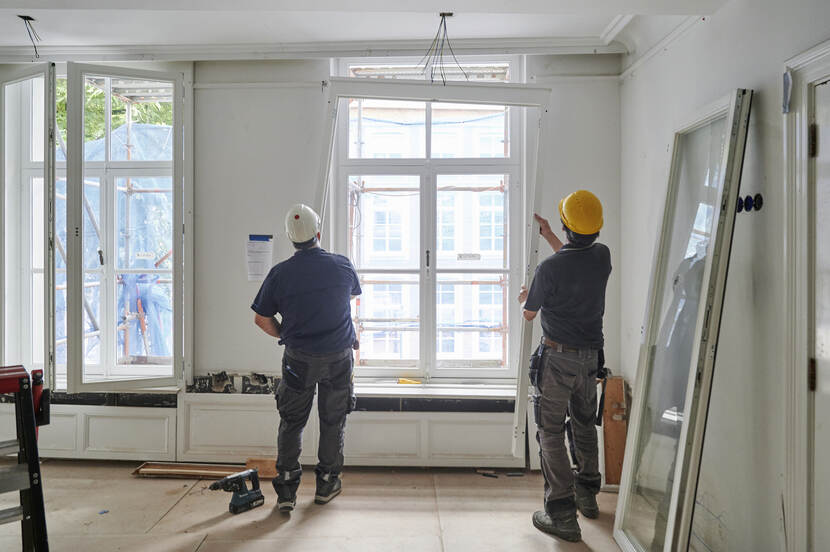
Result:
pixel 243 499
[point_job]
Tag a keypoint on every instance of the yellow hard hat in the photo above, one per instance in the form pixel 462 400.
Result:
pixel 581 212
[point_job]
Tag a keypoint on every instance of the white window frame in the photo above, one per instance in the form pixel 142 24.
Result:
pixel 29 170
pixel 76 169
pixel 735 107
pixel 500 94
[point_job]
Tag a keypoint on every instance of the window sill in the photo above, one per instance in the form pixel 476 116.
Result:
pixel 435 390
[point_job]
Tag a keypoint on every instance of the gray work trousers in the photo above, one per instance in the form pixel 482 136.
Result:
pixel 566 382
pixel 302 374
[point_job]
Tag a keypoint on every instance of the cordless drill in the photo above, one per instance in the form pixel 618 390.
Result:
pixel 243 499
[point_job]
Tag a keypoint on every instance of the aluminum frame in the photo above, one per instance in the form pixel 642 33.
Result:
pixel 9 75
pixel 75 173
pixel 481 93
pixel 736 107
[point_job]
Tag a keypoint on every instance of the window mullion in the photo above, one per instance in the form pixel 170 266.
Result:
pixel 428 291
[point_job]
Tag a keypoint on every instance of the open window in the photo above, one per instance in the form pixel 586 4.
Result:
pixel 124 215
pixel 677 355
pixel 27 198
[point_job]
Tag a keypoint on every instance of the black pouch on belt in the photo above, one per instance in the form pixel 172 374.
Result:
pixel 536 365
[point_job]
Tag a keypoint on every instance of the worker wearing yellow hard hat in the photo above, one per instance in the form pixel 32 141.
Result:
pixel 569 290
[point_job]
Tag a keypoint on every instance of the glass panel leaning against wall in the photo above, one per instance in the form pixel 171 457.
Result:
pixel 676 361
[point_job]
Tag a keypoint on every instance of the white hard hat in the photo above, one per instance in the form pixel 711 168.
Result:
pixel 301 223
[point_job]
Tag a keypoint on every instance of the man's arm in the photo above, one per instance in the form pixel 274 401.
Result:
pixel 268 324
pixel 528 314
pixel 547 233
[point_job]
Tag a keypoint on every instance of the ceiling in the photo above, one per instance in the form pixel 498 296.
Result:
pixel 208 22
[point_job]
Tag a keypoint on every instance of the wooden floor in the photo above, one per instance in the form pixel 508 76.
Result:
pixel 99 506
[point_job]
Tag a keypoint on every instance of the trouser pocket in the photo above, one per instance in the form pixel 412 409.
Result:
pixel 536 365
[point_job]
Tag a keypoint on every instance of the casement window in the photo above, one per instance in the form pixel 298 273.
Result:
pixel 423 196
pixel 113 318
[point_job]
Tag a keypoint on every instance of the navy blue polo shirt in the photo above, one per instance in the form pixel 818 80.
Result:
pixel 311 291
pixel 569 288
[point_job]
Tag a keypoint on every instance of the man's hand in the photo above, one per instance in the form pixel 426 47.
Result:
pixel 547 232
pixel 523 294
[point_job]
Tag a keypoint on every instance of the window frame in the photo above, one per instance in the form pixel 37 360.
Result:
pixel 337 165
pixel 110 171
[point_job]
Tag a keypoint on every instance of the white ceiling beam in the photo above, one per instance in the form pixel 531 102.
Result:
pixel 563 7
pixel 614 28
pixel 310 50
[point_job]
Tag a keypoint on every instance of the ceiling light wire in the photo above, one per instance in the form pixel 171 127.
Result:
pixel 30 30
pixel 435 53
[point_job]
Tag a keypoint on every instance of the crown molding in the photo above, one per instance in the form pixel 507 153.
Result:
pixel 614 28
pixel 305 50
pixel 661 45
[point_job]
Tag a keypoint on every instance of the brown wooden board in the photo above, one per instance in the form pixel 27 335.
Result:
pixel 615 425
pixel 186 471
pixel 265 466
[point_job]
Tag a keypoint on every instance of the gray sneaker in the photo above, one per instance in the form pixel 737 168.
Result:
pixel 561 524
pixel 586 502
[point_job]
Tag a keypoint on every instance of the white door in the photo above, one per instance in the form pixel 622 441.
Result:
pixel 821 413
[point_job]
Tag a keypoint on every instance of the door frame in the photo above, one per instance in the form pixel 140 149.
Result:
pixel 804 70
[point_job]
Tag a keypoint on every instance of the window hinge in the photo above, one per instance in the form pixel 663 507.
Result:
pixel 812 141
pixel 811 375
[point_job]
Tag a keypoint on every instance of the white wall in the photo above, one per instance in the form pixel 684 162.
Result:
pixel 583 152
pixel 743 45
pixel 257 152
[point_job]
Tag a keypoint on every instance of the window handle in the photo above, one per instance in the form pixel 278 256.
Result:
pixel 427 258
pixel 101 256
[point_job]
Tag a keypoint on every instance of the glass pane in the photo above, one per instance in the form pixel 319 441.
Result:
pixel 38 99
pixel 387 321
pixel 95 118
pixel 142 120
pixel 385 129
pixel 38 222
pixel 468 130
pixel 471 311
pixel 471 224
pixel 92 242
pixel 699 179
pixel 60 223
pixel 145 222
pixel 467 72
pixel 38 309
pixel 144 304
pixel 93 283
pixel 60 328
pixel 384 221
pixel 60 118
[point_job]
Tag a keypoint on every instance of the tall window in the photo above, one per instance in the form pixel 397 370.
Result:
pixel 424 195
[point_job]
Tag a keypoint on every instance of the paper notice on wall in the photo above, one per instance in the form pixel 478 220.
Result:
pixel 259 252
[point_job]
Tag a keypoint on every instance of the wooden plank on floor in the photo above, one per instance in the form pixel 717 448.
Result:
pixel 266 467
pixel 186 471
pixel 615 426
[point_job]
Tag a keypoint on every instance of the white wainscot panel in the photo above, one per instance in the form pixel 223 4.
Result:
pixel 374 438
pixel 102 432
pixel 487 435
pixel 232 428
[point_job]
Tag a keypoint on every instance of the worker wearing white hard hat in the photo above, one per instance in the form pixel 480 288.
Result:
pixel 311 291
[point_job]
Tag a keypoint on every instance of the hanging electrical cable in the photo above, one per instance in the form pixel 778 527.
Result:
pixel 30 29
pixel 433 60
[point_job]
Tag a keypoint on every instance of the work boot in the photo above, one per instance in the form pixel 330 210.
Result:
pixel 328 487
pixel 286 488
pixel 560 524
pixel 586 501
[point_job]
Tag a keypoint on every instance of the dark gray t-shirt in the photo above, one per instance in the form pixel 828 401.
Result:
pixel 569 287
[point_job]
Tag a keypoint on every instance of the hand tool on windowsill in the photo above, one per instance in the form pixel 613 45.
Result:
pixel 243 499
